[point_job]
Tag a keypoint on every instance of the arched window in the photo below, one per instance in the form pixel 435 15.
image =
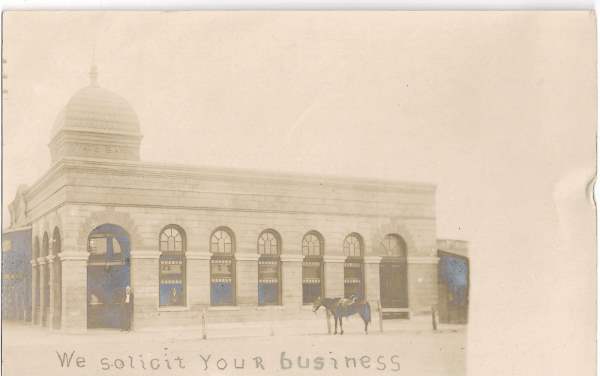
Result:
pixel 172 278
pixel 394 246
pixel 312 267
pixel 393 278
pixel 269 268
pixel 222 268
pixel 354 267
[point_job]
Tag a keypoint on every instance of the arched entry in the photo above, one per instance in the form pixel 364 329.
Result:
pixel 393 274
pixel 57 281
pixel 107 276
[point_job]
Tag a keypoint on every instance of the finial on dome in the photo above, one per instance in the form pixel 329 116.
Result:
pixel 94 75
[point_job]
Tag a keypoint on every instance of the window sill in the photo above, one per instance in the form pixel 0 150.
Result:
pixel 270 308
pixel 224 308
pixel 173 309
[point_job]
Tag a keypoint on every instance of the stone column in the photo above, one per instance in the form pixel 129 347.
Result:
pixel 74 291
pixel 43 268
pixel 372 286
pixel 198 279
pixel 35 293
pixel 334 275
pixel 50 265
pixel 291 280
pixel 246 269
pixel 144 283
pixel 57 309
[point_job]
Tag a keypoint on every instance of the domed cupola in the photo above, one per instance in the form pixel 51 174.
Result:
pixel 96 123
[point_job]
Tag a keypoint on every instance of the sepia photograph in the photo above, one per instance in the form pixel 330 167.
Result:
pixel 298 193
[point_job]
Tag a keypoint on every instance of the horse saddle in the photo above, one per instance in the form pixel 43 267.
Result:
pixel 345 302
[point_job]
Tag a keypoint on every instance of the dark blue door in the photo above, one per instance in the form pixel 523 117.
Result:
pixel 453 277
pixel 16 275
pixel 107 276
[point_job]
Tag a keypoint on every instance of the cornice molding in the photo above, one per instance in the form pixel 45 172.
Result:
pixel 334 258
pixel 144 255
pixel 246 256
pixel 372 259
pixel 286 257
pixel 132 167
pixel 74 256
pixel 198 255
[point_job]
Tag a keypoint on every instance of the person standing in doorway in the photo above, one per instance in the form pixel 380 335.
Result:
pixel 127 319
pixel 174 298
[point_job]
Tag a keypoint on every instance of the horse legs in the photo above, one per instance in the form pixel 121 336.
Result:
pixel 341 327
pixel 366 327
pixel 335 319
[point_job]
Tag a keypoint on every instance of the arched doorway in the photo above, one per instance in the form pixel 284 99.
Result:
pixel 57 281
pixel 393 276
pixel 108 274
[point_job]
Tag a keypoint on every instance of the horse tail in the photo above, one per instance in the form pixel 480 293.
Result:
pixel 366 314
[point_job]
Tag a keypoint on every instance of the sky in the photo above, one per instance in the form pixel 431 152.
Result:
pixel 498 111
pixel 409 100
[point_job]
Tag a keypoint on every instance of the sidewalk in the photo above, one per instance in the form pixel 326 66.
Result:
pixel 287 328
pixel 317 326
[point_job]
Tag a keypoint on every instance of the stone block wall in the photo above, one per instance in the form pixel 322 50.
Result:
pixel 247 207
pixel 423 285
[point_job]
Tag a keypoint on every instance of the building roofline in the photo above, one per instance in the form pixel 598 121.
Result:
pixel 232 173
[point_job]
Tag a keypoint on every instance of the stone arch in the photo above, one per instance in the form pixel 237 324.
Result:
pixel 228 231
pixel 396 228
pixel 36 247
pixel 397 248
pixel 56 242
pixel 45 251
pixel 275 234
pixel 40 226
pixel 53 222
pixel 348 240
pixel 318 236
pixel 111 216
pixel 179 229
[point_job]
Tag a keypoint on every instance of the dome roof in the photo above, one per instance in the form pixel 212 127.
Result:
pixel 96 109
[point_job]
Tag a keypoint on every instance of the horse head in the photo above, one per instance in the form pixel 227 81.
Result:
pixel 317 304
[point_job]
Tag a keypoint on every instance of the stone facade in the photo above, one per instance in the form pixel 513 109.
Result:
pixel 84 191
pixel 142 199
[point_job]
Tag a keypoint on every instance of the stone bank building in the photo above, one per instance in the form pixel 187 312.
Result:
pixel 237 244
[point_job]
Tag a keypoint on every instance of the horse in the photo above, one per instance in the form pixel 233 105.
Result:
pixel 343 307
